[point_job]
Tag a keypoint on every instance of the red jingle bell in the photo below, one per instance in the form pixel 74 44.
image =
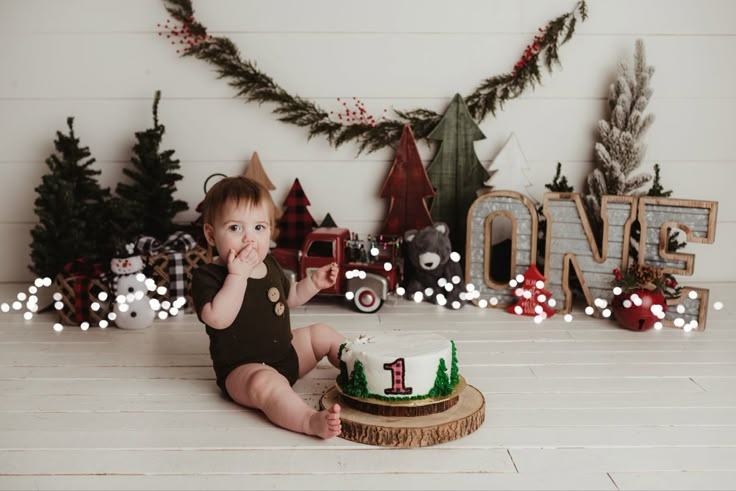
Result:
pixel 633 310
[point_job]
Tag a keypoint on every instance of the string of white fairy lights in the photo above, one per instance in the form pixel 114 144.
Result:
pixel 164 308
pixel 517 283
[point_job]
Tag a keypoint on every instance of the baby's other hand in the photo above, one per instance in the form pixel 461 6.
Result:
pixel 326 276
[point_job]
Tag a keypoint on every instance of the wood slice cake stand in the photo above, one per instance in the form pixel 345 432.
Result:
pixel 409 423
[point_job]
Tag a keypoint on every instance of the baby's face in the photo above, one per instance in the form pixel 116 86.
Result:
pixel 239 225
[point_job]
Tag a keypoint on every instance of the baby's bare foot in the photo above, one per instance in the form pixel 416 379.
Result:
pixel 326 423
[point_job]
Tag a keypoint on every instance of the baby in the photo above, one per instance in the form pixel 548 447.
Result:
pixel 243 297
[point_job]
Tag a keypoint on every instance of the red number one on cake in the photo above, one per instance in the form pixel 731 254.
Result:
pixel 397 377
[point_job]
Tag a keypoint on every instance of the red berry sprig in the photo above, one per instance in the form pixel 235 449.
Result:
pixel 181 33
pixel 358 114
pixel 531 50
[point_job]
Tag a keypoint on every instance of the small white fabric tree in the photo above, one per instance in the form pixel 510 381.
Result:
pixel 621 150
pixel 511 170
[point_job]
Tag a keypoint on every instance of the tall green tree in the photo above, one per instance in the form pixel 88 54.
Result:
pixel 146 205
pixel 71 208
pixel 456 172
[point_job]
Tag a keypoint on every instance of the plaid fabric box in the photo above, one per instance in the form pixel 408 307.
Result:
pixel 80 299
pixel 173 268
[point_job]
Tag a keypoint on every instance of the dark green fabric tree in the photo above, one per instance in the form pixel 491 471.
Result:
pixel 71 209
pixel 456 172
pixel 147 205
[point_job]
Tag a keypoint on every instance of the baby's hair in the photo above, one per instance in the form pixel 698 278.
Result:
pixel 235 190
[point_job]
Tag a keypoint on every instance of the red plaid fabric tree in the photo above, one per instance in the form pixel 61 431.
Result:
pixel 533 297
pixel 296 222
pixel 408 185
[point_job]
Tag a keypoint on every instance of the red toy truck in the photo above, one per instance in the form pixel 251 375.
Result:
pixel 368 270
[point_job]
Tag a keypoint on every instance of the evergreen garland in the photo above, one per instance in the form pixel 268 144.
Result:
pixel 71 208
pixel 254 85
pixel 147 206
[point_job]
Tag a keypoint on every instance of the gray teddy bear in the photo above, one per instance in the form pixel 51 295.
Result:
pixel 431 269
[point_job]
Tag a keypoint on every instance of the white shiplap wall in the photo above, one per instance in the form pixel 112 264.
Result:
pixel 101 61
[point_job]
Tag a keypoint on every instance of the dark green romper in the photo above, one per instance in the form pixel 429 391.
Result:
pixel 261 332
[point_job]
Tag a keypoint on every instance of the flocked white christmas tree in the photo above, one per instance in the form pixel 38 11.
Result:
pixel 620 150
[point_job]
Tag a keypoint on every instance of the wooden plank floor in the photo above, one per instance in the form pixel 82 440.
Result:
pixel 581 405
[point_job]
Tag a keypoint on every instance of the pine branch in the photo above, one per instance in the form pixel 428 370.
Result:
pixel 255 86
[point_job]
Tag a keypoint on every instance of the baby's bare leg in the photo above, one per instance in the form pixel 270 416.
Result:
pixel 262 387
pixel 314 342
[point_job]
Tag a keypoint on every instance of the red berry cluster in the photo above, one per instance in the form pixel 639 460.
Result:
pixel 357 114
pixel 617 272
pixel 531 50
pixel 182 34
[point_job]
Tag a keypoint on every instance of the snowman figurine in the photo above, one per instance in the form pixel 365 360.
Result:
pixel 132 306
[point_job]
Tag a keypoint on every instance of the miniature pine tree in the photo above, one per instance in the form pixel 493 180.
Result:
pixel 657 189
pixel 621 149
pixel 71 208
pixel 456 171
pixel 296 222
pixel 328 222
pixel 408 186
pixel 147 204
pixel 442 385
pixel 559 183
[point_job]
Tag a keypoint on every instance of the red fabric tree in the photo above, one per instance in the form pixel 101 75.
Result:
pixel 408 185
pixel 530 302
pixel 296 222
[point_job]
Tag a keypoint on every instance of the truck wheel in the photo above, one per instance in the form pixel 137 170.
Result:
pixel 366 300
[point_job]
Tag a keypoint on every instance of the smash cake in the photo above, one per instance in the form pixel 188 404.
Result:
pixel 398 366
pixel 401 389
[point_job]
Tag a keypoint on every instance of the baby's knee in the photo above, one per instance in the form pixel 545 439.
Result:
pixel 261 385
pixel 321 330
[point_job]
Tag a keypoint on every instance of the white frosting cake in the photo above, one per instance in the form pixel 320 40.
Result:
pixel 397 365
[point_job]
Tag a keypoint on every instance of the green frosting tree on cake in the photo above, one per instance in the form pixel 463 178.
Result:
pixel 442 385
pixel 454 376
pixel 358 384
